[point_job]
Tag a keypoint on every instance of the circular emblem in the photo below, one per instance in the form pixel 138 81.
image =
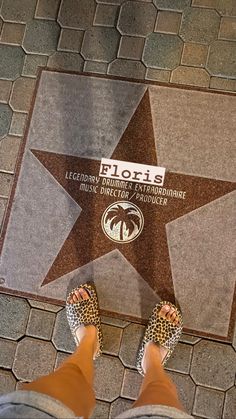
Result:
pixel 122 222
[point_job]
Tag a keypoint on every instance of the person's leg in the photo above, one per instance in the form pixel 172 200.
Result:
pixel 72 382
pixel 157 387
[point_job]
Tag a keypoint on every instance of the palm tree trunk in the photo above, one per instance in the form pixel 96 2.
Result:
pixel 121 230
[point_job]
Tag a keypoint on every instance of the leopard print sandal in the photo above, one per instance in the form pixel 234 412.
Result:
pixel 85 312
pixel 160 331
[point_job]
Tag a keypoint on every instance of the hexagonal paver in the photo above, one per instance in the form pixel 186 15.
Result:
pixel 18 123
pixel 7 352
pixel 180 359
pixel 100 44
pixel 3 205
pixel 14 316
pixel 127 68
pixel 108 378
pixel 5 89
pixel 11 63
pixel 1 22
pixel 5 189
pixel 131 47
pixel 157 75
pixel 40 324
pixel 119 406
pixel 7 382
pixel 70 40
pixel 47 9
pixel 101 410
pixel 5 119
pixel 136 18
pixel 77 14
pixel 130 343
pixel 162 51
pixel 172 5
pixel 221 59
pixel 199 25
pixel 32 63
pixel 9 147
pixel 62 337
pixel 61 357
pixel 228 28
pixel 208 403
pixel 230 403
pixel 114 322
pixel 41 36
pixel 66 61
pixel 189 339
pixel 185 388
pixel 34 358
pixel 12 33
pixel 221 83
pixel 213 365
pixel 191 76
pixel 45 306
pixel 194 54
pixel 22 93
pixel 131 384
pixel 95 67
pixel 111 339
pixel 18 11
pixel 106 15
pixel 168 22
pixel 224 7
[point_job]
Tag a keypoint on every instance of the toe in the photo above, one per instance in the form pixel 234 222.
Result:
pixel 83 294
pixel 164 311
pixel 170 313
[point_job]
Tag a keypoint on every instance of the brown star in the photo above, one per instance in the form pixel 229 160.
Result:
pixel 149 252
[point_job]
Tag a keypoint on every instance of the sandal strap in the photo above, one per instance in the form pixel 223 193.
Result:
pixel 84 313
pixel 162 332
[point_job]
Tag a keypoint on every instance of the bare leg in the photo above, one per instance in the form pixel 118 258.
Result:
pixel 72 383
pixel 157 387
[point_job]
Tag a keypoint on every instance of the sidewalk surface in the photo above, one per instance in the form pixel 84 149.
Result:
pixel 184 42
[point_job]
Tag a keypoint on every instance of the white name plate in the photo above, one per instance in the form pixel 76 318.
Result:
pixel 132 172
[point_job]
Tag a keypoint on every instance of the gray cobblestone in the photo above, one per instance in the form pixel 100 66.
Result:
pixel 77 15
pixel 100 44
pixel 208 403
pixel 162 51
pixel 106 387
pixel 127 68
pixel 9 148
pixel 230 403
pixel 41 37
pixel 70 40
pixel 12 61
pixel 62 337
pixel 18 11
pixel 106 15
pixel 7 382
pixel 34 358
pixel 66 61
pixel 213 365
pixel 47 9
pixel 7 352
pixel 14 316
pixel 136 18
pixel 40 324
pixel 32 63
pixel 5 119
pixel 130 343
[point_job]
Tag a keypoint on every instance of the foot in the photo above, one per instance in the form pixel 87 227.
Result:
pixel 153 350
pixel 85 332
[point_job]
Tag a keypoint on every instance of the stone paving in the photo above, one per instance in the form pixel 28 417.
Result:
pixel 173 41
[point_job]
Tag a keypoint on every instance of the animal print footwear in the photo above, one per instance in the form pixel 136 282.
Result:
pixel 162 332
pixel 84 313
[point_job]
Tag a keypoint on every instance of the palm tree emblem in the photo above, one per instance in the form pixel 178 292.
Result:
pixel 122 221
